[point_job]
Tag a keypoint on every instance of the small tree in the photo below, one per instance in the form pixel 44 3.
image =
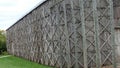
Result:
pixel 2 41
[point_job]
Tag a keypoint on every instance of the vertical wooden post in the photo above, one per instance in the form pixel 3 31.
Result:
pixel 112 33
pixel 83 33
pixel 75 41
pixel 96 28
pixel 67 37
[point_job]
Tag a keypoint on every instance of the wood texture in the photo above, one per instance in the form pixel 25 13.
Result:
pixel 65 34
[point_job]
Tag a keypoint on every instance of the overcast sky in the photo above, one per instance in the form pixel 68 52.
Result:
pixel 13 10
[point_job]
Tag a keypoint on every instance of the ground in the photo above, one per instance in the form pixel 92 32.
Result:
pixel 15 62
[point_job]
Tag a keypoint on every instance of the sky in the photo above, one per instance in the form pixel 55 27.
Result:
pixel 13 10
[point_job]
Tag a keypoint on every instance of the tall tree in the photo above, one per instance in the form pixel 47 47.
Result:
pixel 2 41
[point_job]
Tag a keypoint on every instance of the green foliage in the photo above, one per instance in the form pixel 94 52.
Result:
pixel 2 41
pixel 4 53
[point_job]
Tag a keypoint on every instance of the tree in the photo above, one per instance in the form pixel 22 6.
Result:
pixel 2 41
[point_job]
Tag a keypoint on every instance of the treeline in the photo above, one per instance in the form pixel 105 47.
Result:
pixel 2 41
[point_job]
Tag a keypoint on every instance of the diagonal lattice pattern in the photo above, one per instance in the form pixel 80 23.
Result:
pixel 66 34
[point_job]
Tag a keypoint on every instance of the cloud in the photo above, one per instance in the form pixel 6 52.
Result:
pixel 5 24
pixel 8 3
pixel 12 10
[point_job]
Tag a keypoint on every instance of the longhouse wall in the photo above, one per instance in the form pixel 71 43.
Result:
pixel 66 34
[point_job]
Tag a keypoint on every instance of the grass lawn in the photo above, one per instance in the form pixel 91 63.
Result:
pixel 15 62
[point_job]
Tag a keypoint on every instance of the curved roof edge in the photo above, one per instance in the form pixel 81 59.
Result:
pixel 27 14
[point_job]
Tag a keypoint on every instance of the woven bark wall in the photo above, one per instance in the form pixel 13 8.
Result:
pixel 66 34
